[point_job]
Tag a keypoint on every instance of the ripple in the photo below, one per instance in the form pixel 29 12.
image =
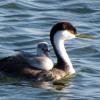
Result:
pixel 24 23
pixel 80 8
pixel 86 51
pixel 14 4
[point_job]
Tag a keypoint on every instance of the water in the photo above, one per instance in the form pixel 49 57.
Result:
pixel 24 23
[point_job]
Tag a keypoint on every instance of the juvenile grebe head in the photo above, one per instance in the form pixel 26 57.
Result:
pixel 42 48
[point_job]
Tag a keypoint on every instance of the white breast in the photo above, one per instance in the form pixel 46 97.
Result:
pixel 42 62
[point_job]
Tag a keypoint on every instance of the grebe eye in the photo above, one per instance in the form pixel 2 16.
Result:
pixel 43 49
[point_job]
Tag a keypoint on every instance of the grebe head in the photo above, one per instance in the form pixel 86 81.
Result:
pixel 65 30
pixel 42 48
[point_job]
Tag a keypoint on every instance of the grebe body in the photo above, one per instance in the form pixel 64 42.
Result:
pixel 59 33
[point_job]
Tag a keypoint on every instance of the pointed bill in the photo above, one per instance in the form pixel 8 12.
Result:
pixel 85 36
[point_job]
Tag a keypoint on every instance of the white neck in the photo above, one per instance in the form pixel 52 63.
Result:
pixel 59 44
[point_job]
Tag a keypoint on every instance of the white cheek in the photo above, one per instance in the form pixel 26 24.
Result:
pixel 64 35
pixel 67 35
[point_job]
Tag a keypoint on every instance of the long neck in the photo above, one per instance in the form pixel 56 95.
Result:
pixel 63 61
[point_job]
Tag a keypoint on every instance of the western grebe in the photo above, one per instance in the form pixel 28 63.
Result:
pixel 42 59
pixel 59 33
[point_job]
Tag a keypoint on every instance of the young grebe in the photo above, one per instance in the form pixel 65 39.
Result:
pixel 42 59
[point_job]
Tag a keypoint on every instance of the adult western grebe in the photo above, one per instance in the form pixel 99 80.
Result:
pixel 59 33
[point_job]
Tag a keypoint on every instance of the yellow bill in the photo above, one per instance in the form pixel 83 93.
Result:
pixel 85 36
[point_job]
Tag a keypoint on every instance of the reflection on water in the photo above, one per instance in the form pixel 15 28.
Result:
pixel 24 23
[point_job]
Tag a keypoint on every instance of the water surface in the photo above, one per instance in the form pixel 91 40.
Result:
pixel 24 23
